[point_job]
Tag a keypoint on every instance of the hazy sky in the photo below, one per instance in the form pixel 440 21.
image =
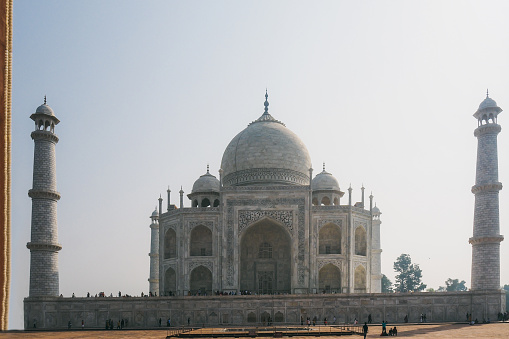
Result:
pixel 148 93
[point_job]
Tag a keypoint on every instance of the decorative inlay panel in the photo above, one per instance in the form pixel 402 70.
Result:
pixel 322 222
pixel 208 224
pixel 358 223
pixel 193 264
pixel 247 218
pixel 336 262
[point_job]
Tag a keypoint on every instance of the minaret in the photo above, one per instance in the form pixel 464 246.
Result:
pixel 486 239
pixel 43 243
pixel 376 250
pixel 154 253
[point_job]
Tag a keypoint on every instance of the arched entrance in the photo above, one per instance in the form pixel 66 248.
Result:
pixel 265 259
pixel 329 279
pixel 170 282
pixel 201 281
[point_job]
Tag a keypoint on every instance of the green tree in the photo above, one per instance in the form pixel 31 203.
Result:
pixel 386 285
pixel 455 285
pixel 410 275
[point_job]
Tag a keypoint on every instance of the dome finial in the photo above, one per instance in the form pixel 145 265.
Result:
pixel 487 94
pixel 324 166
pixel 45 99
pixel 207 168
pixel 266 103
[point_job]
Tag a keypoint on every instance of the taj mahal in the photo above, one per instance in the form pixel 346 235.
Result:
pixel 266 226
pixel 265 239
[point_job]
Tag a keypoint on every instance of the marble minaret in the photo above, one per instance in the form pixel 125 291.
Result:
pixel 154 254
pixel 43 243
pixel 486 238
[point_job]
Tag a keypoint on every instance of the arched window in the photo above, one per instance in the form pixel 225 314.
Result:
pixel 360 279
pixel 326 201
pixel 216 202
pixel 205 202
pixel 315 201
pixel 329 279
pixel 265 251
pixel 201 241
pixel 336 201
pixel 195 203
pixel 170 282
pixel 170 244
pixel 329 239
pixel 201 281
pixel 360 241
pixel 251 317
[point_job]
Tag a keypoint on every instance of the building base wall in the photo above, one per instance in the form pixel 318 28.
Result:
pixel 55 312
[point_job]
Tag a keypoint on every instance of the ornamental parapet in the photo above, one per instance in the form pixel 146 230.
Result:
pixel 44 194
pixel 487 129
pixel 486 240
pixel 191 210
pixel 492 187
pixel 44 135
pixel 43 247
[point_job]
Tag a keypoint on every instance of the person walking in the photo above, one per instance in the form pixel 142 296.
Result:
pixel 365 330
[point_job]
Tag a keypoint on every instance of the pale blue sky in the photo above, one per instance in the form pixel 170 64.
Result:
pixel 148 93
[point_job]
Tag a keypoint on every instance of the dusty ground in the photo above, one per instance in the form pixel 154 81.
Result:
pixel 495 330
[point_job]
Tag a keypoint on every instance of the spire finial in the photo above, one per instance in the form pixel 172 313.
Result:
pixel 207 168
pixel 324 166
pixel 487 93
pixel 266 103
pixel 45 99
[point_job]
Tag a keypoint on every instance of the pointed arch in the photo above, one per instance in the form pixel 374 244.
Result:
pixel 329 239
pixel 329 279
pixel 201 281
pixel 170 244
pixel 201 241
pixel 170 282
pixel 360 279
pixel 360 241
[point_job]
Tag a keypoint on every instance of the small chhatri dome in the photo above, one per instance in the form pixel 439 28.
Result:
pixel 206 183
pixel 376 210
pixel 324 181
pixel 45 109
pixel 488 102
pixel 487 106
pixel 155 213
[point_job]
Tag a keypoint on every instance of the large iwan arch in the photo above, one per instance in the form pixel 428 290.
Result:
pixel 265 258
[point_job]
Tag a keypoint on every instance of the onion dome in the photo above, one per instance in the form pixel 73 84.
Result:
pixel 376 210
pixel 206 183
pixel 324 181
pixel 266 153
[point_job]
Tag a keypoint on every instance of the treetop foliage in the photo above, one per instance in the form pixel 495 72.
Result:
pixel 410 275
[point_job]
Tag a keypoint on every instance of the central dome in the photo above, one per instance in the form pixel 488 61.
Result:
pixel 266 153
